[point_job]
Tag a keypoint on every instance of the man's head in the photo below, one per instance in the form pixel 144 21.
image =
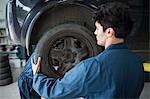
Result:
pixel 112 20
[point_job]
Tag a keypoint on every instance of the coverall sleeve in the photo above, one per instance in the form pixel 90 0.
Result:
pixel 70 86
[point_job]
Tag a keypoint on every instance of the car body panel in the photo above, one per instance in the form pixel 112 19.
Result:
pixel 12 23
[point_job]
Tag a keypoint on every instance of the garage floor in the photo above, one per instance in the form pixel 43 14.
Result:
pixel 11 91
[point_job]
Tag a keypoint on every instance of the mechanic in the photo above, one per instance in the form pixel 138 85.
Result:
pixel 114 73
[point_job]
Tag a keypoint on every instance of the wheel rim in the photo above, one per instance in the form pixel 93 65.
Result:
pixel 66 52
pixel 63 46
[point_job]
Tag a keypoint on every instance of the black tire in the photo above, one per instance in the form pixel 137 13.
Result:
pixel 6 81
pixel 4 64
pixel 5 70
pixel 3 57
pixel 64 46
pixel 5 75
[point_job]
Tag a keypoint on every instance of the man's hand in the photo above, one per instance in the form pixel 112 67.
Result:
pixel 36 67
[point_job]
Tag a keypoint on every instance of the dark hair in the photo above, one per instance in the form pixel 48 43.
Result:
pixel 115 15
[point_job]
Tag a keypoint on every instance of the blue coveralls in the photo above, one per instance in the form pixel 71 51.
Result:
pixel 114 73
pixel 25 81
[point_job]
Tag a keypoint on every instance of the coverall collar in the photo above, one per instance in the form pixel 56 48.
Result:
pixel 117 46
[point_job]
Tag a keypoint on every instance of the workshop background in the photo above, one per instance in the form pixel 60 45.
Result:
pixel 9 53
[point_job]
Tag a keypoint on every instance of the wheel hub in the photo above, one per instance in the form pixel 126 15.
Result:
pixel 66 53
pixel 68 56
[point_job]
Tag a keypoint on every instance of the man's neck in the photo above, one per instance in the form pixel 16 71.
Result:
pixel 113 41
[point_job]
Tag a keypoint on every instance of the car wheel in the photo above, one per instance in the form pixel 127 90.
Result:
pixel 63 46
pixel 6 81
pixel 4 64
pixel 5 69
pixel 5 75
pixel 3 57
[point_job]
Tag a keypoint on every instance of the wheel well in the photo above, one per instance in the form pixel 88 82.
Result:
pixel 65 13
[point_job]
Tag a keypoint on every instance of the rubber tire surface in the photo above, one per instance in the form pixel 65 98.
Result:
pixel 6 81
pixel 5 75
pixel 5 70
pixel 3 57
pixel 42 48
pixel 4 63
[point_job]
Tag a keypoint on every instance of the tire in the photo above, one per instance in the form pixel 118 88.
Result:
pixel 5 81
pixel 3 57
pixel 5 75
pixel 64 46
pixel 5 70
pixel 4 63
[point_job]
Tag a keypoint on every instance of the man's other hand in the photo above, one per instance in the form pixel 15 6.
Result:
pixel 36 67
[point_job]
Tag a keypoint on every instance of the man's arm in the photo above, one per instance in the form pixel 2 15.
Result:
pixel 71 85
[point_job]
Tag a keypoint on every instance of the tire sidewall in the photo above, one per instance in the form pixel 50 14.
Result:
pixel 49 38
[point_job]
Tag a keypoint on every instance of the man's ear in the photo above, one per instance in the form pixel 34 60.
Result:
pixel 110 32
